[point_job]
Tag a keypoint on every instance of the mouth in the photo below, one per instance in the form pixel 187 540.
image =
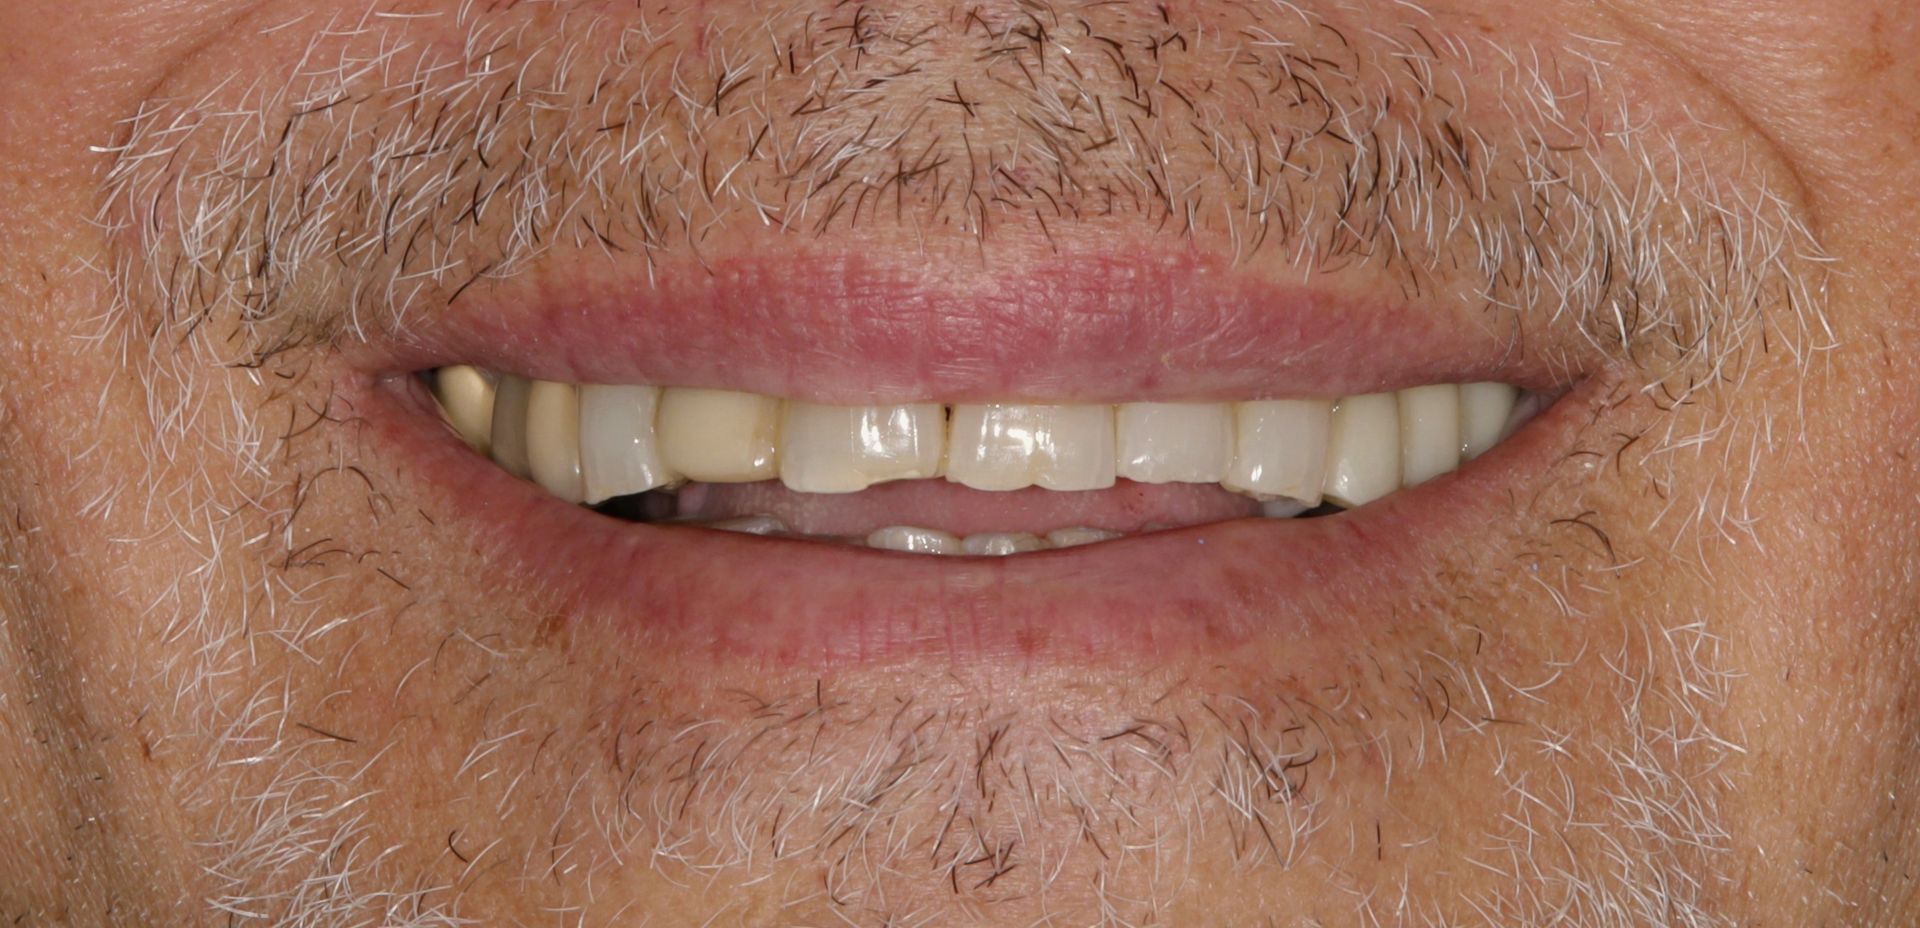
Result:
pixel 958 498
pixel 981 479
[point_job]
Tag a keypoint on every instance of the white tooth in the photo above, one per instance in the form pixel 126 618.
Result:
pixel 1484 409
pixel 1363 449
pixel 1001 544
pixel 508 438
pixel 1280 449
pixel 553 439
pixel 718 436
pixel 1075 537
pixel 1429 432
pixel 992 447
pixel 845 449
pixel 619 450
pixel 1173 442
pixel 915 540
pixel 1007 447
pixel 1081 452
pixel 466 399
pixel 750 525
pixel 1283 509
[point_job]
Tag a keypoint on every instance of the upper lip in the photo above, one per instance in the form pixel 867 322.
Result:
pixel 851 329
pixel 859 330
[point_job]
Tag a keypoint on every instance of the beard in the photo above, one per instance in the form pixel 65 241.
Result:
pixel 357 734
pixel 359 738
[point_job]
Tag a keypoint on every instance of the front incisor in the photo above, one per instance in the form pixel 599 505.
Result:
pixel 845 449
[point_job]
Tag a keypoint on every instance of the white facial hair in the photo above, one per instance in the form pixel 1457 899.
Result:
pixel 850 785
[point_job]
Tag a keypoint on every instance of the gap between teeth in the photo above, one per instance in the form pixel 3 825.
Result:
pixel 595 442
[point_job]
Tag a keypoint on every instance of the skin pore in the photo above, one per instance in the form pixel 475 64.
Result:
pixel 257 664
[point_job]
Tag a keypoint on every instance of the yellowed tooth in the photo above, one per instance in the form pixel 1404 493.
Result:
pixel 466 399
pixel 845 449
pixel 508 436
pixel 1363 449
pixel 1429 432
pixel 1001 544
pixel 1010 446
pixel 1280 449
pixel 1484 410
pixel 719 436
pixel 619 450
pixel 553 439
pixel 1173 442
pixel 1077 536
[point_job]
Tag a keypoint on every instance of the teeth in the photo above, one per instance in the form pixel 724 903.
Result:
pixel 845 449
pixel 751 525
pixel 1280 449
pixel 509 432
pixel 619 450
pixel 719 436
pixel 1484 410
pixel 1363 449
pixel 1001 544
pixel 1429 432
pixel 1007 447
pixel 466 397
pixel 1283 508
pixel 914 540
pixel 1075 537
pixel 596 442
pixel 553 439
pixel 1173 442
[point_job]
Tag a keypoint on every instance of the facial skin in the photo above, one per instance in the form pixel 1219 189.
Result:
pixel 274 649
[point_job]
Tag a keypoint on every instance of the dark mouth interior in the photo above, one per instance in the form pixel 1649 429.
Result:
pixel 662 506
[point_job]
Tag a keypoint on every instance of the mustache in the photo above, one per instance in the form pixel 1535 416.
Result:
pixel 403 160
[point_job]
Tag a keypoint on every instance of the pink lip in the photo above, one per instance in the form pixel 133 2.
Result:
pixel 848 329
pixel 1090 329
pixel 662 590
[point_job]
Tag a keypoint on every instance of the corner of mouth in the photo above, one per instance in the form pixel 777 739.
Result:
pixel 1131 478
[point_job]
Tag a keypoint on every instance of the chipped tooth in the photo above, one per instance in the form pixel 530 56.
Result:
pixel 991 447
pixel 750 525
pixel 1010 446
pixel 1077 536
pixel 914 540
pixel 846 449
pixel 1484 410
pixel 619 449
pixel 508 436
pixel 1363 449
pixel 1173 442
pixel 553 439
pixel 1429 432
pixel 1282 508
pixel 466 400
pixel 1001 544
pixel 718 436
pixel 1280 449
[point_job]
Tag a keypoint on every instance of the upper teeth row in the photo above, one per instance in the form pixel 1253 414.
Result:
pixel 594 442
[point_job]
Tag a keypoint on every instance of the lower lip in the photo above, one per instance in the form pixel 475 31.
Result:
pixel 679 592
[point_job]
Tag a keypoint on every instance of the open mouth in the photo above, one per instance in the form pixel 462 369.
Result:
pixel 984 479
pixel 850 463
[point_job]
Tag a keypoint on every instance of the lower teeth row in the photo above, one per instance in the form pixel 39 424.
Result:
pixel 932 541
pixel 916 540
